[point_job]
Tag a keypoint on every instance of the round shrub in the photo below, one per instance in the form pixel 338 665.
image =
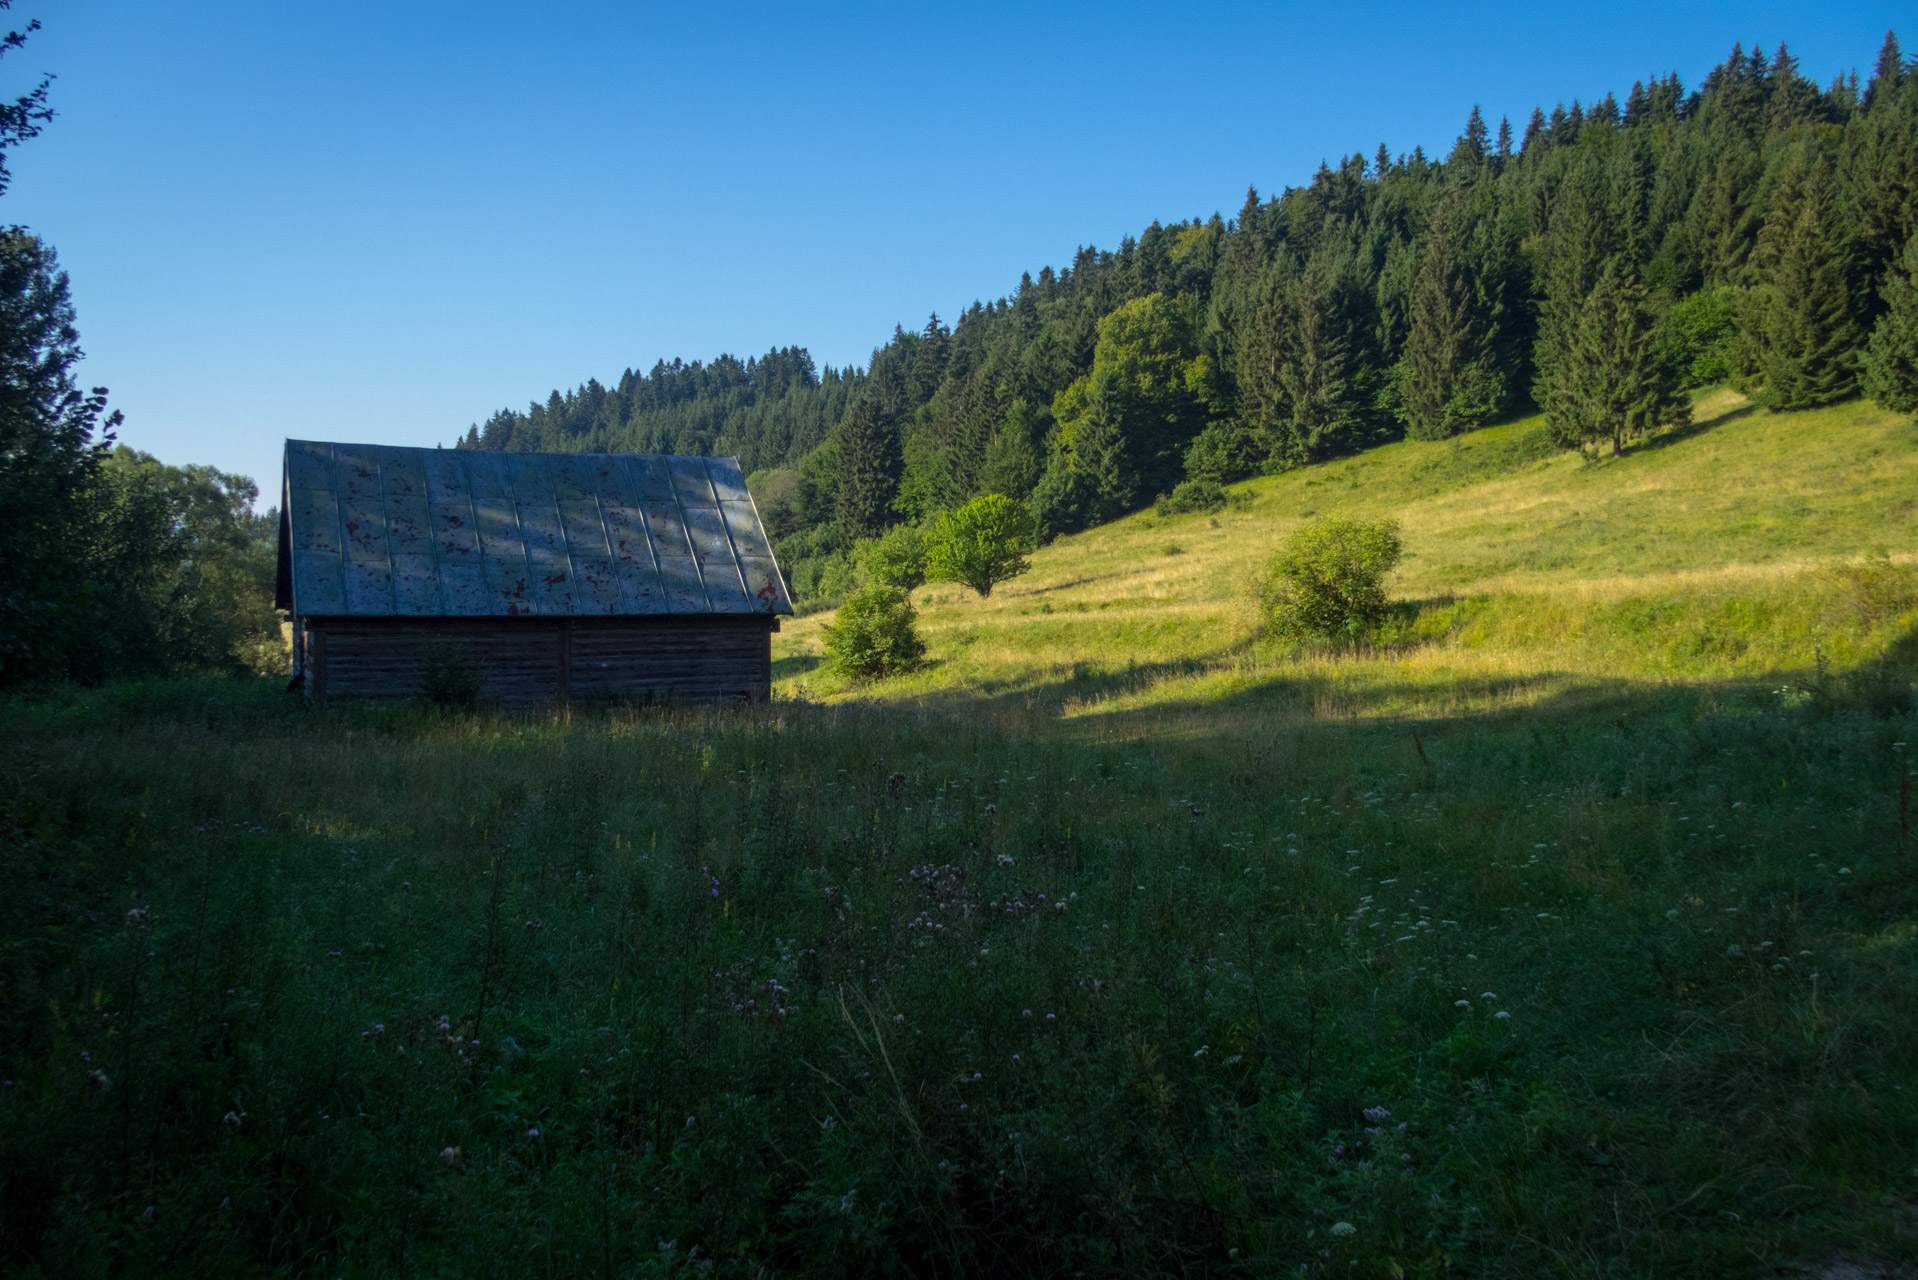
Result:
pixel 1328 580
pixel 873 635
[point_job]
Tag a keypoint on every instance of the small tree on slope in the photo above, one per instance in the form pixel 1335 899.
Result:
pixel 981 544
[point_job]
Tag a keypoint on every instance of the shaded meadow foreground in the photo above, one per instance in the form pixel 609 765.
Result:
pixel 1617 981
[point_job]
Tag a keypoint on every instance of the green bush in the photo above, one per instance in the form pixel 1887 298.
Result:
pixel 1192 497
pixel 1222 453
pixel 874 635
pixel 895 559
pixel 981 544
pixel 1328 580
pixel 1702 336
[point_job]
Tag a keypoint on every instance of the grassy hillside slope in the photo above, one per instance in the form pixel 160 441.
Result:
pixel 1571 933
pixel 1729 548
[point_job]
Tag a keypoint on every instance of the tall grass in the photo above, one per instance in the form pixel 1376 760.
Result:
pixel 1565 929
pixel 808 990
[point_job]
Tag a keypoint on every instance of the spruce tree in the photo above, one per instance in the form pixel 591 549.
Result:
pixel 1534 130
pixel 1617 381
pixel 869 469
pixel 1013 461
pixel 1472 147
pixel 1887 74
pixel 1891 358
pixel 1324 382
pixel 1808 342
pixel 1449 379
pixel 1577 244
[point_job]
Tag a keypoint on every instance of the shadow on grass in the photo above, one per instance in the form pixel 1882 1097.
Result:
pixel 1245 691
pixel 797 664
pixel 1691 430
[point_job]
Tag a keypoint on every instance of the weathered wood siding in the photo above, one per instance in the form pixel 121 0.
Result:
pixel 528 661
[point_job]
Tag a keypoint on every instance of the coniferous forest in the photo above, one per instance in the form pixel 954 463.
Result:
pixel 1592 263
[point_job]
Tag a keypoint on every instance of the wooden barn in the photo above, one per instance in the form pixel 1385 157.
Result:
pixel 550 576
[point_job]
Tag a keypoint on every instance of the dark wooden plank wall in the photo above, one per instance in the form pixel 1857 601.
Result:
pixel 529 661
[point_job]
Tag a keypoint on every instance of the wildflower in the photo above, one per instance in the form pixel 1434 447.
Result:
pixel 1052 1017
pixel 1344 1229
pixel 1376 1114
pixel 1026 1014
pixel 1201 1051
pixel 1501 1014
pixel 1844 871
pixel 898 1017
pixel 533 1133
pixel 232 1120
pixel 1461 1004
pixel 452 1159
pixel 406 884
pixel 332 955
pixel 1005 860
pixel 100 1080
pixel 1487 995
pixel 139 918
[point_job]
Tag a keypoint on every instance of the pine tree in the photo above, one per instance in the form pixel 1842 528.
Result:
pixel 1887 75
pixel 1577 244
pixel 1808 339
pixel 929 358
pixel 1891 358
pixel 1471 148
pixel 869 469
pixel 1534 130
pixel 1013 462
pixel 1616 382
pixel 1449 378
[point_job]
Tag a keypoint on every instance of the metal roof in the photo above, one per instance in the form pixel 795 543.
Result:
pixel 373 530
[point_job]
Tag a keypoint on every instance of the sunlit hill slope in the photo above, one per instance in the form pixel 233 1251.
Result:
pixel 1747 544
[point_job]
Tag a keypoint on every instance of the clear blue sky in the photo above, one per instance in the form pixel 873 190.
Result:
pixel 380 222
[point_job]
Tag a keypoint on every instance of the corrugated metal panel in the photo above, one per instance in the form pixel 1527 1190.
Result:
pixel 385 531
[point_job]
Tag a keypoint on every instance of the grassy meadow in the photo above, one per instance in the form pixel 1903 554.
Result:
pixel 1572 929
